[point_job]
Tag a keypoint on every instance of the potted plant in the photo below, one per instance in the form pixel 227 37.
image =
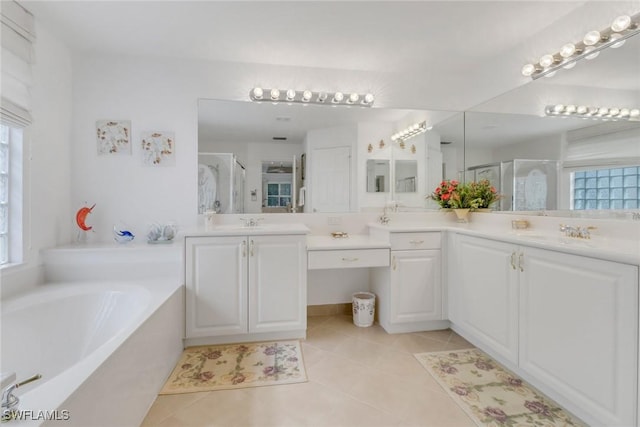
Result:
pixel 486 192
pixel 460 197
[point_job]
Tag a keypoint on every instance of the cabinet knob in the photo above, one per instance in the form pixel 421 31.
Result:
pixel 513 260
pixel 416 242
pixel 521 261
pixel 350 259
pixel 251 248
pixel 244 249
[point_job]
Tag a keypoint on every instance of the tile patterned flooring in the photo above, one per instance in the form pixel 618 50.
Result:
pixel 357 377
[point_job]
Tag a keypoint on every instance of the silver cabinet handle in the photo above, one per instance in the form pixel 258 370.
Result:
pixel 244 248
pixel 416 242
pixel 350 259
pixel 521 261
pixel 251 248
pixel 513 260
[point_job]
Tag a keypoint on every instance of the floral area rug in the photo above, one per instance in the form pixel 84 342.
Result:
pixel 491 395
pixel 220 367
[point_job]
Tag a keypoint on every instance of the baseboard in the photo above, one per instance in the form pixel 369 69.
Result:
pixel 328 309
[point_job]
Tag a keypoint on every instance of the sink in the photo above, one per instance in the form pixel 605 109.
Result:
pixel 241 228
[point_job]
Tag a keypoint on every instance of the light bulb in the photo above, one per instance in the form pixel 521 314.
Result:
pixel 570 109
pixel 614 111
pixel 634 113
pixel 621 23
pixel 558 108
pixel 258 92
pixel 353 98
pixel 593 110
pixel 291 94
pixel 528 70
pixel 567 50
pixel 624 112
pixel 322 96
pixel 581 109
pixel 614 37
pixel 338 97
pixel 603 111
pixel 306 96
pixel 546 61
pixel 415 127
pixel 590 55
pixel 368 99
pixel 275 94
pixel 591 38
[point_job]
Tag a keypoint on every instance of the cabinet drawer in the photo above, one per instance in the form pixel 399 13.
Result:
pixel 348 258
pixel 408 241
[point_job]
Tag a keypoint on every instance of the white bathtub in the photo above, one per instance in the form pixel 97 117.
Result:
pixel 103 348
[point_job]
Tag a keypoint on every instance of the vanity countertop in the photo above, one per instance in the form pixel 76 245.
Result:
pixel 354 241
pixel 257 230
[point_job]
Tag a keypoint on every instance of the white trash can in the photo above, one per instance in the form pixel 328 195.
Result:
pixel 364 307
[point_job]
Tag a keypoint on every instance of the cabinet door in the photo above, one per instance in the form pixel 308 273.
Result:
pixel 488 290
pixel 216 280
pixel 578 320
pixel 416 287
pixel 277 283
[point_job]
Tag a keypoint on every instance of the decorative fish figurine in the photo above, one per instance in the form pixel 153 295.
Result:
pixel 122 236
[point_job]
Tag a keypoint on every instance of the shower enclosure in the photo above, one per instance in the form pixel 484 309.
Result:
pixel 221 183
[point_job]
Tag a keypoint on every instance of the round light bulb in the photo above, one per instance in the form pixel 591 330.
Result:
pixel 275 94
pixel 528 70
pixel 338 97
pixel 614 37
pixel 547 60
pixel 258 92
pixel 291 94
pixel 567 50
pixel 353 98
pixel 593 110
pixel 558 108
pixel 570 109
pixel 614 111
pixel 591 38
pixel 621 23
pixel 581 109
pixel 322 96
pixel 591 55
pixel 603 111
pixel 624 112
pixel 368 98
pixel 634 113
pixel 306 96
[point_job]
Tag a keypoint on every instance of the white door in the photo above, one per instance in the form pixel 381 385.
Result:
pixel 277 283
pixel 488 288
pixel 578 322
pixel 216 282
pixel 331 179
pixel 416 289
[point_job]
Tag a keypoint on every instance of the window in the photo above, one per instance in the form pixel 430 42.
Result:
pixel 278 194
pixel 617 188
pixel 4 194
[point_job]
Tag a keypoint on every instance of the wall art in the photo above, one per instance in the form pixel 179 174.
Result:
pixel 158 148
pixel 113 136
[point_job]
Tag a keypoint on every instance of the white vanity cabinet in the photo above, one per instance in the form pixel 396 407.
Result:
pixel 243 288
pixel 410 290
pixel 567 323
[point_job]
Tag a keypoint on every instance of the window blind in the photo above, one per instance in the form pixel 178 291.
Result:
pixel 17 37
pixel 602 149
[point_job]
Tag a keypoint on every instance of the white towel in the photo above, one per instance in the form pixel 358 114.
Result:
pixel 303 191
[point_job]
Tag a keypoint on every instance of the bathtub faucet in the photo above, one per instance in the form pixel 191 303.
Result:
pixel 9 401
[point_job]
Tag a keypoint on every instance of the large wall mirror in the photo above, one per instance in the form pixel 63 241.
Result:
pixel 266 158
pixel 562 163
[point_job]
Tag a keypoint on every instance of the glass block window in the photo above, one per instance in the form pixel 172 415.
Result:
pixel 617 188
pixel 278 194
pixel 4 194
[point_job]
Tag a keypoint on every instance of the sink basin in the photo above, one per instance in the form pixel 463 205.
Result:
pixel 265 228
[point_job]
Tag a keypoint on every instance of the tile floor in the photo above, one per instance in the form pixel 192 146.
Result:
pixel 357 377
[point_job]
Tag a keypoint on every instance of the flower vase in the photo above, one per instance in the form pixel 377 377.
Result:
pixel 462 215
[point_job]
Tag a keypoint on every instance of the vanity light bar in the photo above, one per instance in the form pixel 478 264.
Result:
pixel 601 113
pixel 411 131
pixel 589 47
pixel 289 96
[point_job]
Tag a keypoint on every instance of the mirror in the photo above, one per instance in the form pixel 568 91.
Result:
pixel 378 174
pixel 346 159
pixel 562 163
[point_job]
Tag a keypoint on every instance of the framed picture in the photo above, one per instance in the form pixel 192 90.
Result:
pixel 113 137
pixel 158 148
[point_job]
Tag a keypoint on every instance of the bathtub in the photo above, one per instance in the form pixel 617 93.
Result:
pixel 103 348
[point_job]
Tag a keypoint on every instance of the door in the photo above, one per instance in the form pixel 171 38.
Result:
pixel 277 283
pixel 578 321
pixel 216 281
pixel 489 293
pixel 416 289
pixel 331 179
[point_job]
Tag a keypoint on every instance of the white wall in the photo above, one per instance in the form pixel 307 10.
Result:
pixel 48 215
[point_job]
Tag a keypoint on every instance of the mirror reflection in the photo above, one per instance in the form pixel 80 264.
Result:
pixel 261 157
pixel 541 162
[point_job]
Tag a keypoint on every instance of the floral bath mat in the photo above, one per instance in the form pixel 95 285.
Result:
pixel 489 394
pixel 219 367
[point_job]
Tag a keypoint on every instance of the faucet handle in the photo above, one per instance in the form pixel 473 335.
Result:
pixel 563 227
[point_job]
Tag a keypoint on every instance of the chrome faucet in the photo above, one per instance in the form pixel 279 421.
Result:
pixel 635 216
pixel 578 232
pixel 9 401
pixel 384 218
pixel 251 222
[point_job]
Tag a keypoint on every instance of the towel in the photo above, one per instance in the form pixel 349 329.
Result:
pixel 303 191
